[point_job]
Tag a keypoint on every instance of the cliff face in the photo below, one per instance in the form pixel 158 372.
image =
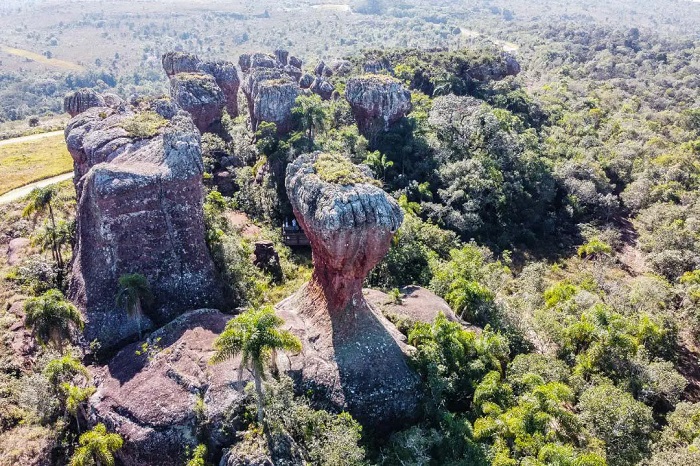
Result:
pixel 139 182
pixel 353 358
pixel 377 102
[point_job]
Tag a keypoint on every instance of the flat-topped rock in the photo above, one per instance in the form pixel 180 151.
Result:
pixel 377 102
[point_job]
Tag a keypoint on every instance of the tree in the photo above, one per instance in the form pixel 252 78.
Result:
pixel 134 292
pixel 97 447
pixel 52 318
pixel 378 163
pixel 256 337
pixel 40 202
pixel 310 114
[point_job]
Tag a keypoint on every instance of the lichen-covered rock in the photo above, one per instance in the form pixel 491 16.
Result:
pixel 151 399
pixel 353 358
pixel 138 179
pixel 377 102
pixel 323 70
pixel 226 77
pixel 79 101
pixel 200 96
pixel 244 62
pixel 417 305
pixel 323 88
pixel 271 95
pixel 113 100
pixel 180 62
pixel 378 65
pixel 182 67
pixel 495 70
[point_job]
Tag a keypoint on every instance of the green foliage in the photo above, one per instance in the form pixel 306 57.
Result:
pixel 52 318
pixel 324 439
pixel 97 447
pixel 594 248
pixel 337 169
pixel 452 360
pixel 198 456
pixel 624 424
pixel 143 125
pixel 134 294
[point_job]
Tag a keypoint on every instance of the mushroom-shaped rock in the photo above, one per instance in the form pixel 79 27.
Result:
pixel 138 179
pixel 226 77
pixel 200 96
pixel 179 62
pixel 151 399
pixel 79 101
pixel 377 102
pixel 353 358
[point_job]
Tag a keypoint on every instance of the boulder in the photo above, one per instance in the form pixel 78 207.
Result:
pixel 113 100
pixel 267 259
pixel 151 399
pixel 295 62
pixel 417 305
pixel 377 102
pixel 306 81
pixel 378 65
pixel 200 96
pixel 323 88
pixel 79 101
pixel 244 62
pixel 353 358
pixel 139 189
pixel 17 249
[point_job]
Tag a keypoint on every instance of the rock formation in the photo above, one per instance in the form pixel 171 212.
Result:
pixel 151 399
pixel 353 358
pixel 271 89
pixel 79 101
pixel 138 179
pixel 417 305
pixel 200 96
pixel 202 88
pixel 377 101
pixel 323 88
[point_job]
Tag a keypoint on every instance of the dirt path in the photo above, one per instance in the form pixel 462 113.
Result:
pixel 33 137
pixel 19 193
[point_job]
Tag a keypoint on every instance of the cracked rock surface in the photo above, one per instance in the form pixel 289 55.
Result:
pixel 138 180
pixel 377 102
pixel 353 358
pixel 150 399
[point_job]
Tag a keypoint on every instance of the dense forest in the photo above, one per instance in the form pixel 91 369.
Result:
pixel 557 211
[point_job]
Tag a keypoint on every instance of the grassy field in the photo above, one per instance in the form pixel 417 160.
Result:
pixel 23 163
pixel 62 64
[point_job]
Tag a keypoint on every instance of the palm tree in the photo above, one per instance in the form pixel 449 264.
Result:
pixel 52 318
pixel 256 337
pixel 97 447
pixel 69 380
pixel 134 293
pixel 310 114
pixel 40 202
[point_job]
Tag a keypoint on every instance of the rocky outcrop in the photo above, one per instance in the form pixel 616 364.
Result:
pixel 180 62
pixel 271 89
pixel 191 94
pixel 353 358
pixel 341 67
pixel 377 102
pixel 138 179
pixel 267 259
pixel 200 96
pixel 322 88
pixel 378 65
pixel 151 399
pixel 306 81
pixel 79 101
pixel 416 305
